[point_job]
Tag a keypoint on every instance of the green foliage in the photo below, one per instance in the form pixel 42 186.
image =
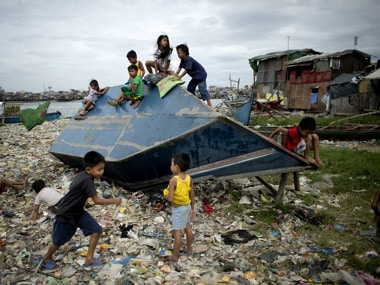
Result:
pixel 267 216
pixel 350 179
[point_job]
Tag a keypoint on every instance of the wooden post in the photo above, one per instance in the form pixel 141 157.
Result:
pixel 281 190
pixel 274 192
pixel 296 181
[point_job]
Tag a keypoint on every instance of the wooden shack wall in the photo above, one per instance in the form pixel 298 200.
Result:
pixel 354 104
pixel 297 92
pixel 300 96
pixel 271 74
pixel 349 63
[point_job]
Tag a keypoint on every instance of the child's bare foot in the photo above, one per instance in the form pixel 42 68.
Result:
pixel 172 259
pixel 319 162
pixel 136 104
pixel 112 102
pixel 189 251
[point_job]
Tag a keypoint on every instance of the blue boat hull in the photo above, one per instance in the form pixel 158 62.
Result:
pixel 241 111
pixel 138 143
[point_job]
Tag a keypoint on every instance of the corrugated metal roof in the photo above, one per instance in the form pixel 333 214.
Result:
pixel 292 54
pixel 308 58
pixel 350 51
pixel 281 53
pixel 343 79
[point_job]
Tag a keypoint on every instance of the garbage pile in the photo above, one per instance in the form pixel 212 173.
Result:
pixel 229 247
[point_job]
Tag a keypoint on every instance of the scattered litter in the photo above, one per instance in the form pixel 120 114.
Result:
pixel 228 247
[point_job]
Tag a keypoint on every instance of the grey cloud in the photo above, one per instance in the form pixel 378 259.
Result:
pixel 63 44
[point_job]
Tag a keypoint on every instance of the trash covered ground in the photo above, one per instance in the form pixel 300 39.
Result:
pixel 229 247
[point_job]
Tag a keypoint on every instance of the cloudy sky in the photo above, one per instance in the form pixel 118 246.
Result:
pixel 65 44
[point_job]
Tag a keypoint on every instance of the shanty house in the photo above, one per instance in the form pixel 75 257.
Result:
pixel 370 87
pixel 269 70
pixel 309 77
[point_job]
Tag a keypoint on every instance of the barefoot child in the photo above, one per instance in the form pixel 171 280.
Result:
pixel 71 214
pixel 180 193
pixel 92 97
pixel 195 70
pixel 300 139
pixel 162 57
pixel 134 92
pixel 132 57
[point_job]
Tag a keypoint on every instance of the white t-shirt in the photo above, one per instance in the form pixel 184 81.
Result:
pixel 92 95
pixel 49 196
pixel 301 146
pixel 162 61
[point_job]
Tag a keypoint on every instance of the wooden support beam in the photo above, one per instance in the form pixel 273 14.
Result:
pixel 296 181
pixel 274 192
pixel 281 190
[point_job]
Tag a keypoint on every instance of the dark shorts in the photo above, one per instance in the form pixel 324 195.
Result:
pixel 63 232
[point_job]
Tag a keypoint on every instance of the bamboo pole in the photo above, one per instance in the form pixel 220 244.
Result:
pixel 356 116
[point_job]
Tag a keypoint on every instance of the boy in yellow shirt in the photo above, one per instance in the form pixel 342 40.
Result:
pixel 180 193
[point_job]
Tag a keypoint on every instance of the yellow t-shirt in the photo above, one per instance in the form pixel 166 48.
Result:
pixel 138 68
pixel 181 193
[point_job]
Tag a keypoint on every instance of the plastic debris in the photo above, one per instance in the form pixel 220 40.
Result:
pixel 229 247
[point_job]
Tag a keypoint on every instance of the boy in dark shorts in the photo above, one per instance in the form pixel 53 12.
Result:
pixel 71 214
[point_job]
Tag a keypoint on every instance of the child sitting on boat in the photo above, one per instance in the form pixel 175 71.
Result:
pixel 132 57
pixel 134 92
pixel 162 57
pixel 300 138
pixel 92 97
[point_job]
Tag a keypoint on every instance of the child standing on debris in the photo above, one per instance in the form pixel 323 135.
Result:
pixel 195 70
pixel 71 214
pixel 46 195
pixel 375 208
pixel 134 92
pixel 300 138
pixel 92 97
pixel 180 193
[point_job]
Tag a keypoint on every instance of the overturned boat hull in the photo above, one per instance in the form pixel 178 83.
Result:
pixel 241 111
pixel 138 144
